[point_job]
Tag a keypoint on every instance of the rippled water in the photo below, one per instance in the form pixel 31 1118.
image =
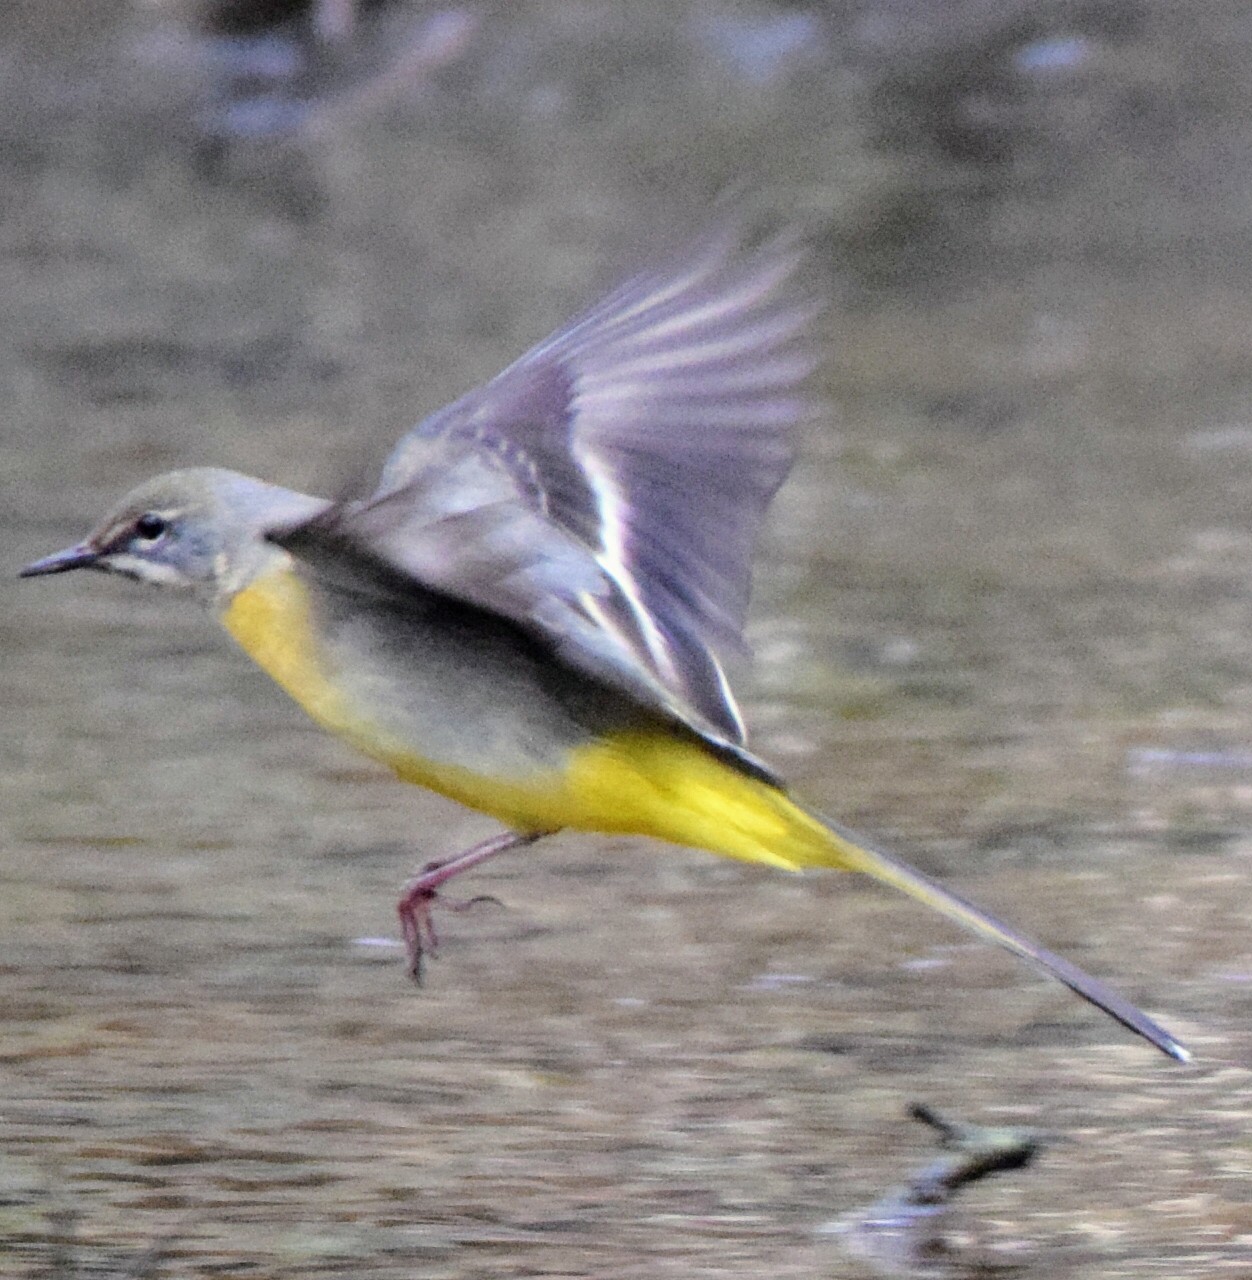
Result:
pixel 1002 622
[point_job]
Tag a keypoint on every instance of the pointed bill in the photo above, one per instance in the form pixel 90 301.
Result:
pixel 80 556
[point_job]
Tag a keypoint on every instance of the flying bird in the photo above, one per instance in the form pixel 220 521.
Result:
pixel 533 612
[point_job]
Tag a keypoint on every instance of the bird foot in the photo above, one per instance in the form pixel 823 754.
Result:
pixel 417 902
pixel 416 910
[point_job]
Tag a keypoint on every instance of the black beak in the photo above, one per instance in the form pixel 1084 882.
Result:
pixel 82 556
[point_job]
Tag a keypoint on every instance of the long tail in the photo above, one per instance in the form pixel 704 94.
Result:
pixel 849 851
pixel 676 788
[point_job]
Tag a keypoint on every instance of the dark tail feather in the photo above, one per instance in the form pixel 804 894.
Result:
pixel 853 853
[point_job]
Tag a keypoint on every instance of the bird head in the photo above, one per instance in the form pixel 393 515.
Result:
pixel 200 530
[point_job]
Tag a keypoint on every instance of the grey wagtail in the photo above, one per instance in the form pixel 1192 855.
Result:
pixel 532 611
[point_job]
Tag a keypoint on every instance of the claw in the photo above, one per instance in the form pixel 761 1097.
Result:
pixel 416 910
pixel 417 926
pixel 417 902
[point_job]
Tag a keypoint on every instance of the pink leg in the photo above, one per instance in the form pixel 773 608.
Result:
pixel 416 905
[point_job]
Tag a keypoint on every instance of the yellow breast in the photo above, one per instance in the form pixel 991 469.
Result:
pixel 274 622
pixel 656 783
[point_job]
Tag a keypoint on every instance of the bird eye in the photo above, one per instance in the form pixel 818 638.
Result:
pixel 150 527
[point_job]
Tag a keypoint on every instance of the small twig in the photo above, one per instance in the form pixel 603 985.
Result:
pixel 904 1232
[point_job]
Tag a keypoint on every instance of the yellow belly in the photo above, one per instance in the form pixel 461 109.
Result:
pixel 273 623
pixel 654 783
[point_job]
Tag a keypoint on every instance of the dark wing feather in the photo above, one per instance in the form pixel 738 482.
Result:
pixel 606 490
pixel 458 528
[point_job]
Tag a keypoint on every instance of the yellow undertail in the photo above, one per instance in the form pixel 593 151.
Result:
pixel 676 790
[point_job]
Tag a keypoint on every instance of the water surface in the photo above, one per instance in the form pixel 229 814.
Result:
pixel 1002 622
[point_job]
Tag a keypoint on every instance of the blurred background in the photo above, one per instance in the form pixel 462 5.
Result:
pixel 1002 622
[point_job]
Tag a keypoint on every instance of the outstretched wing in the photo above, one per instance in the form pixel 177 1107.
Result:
pixel 606 490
